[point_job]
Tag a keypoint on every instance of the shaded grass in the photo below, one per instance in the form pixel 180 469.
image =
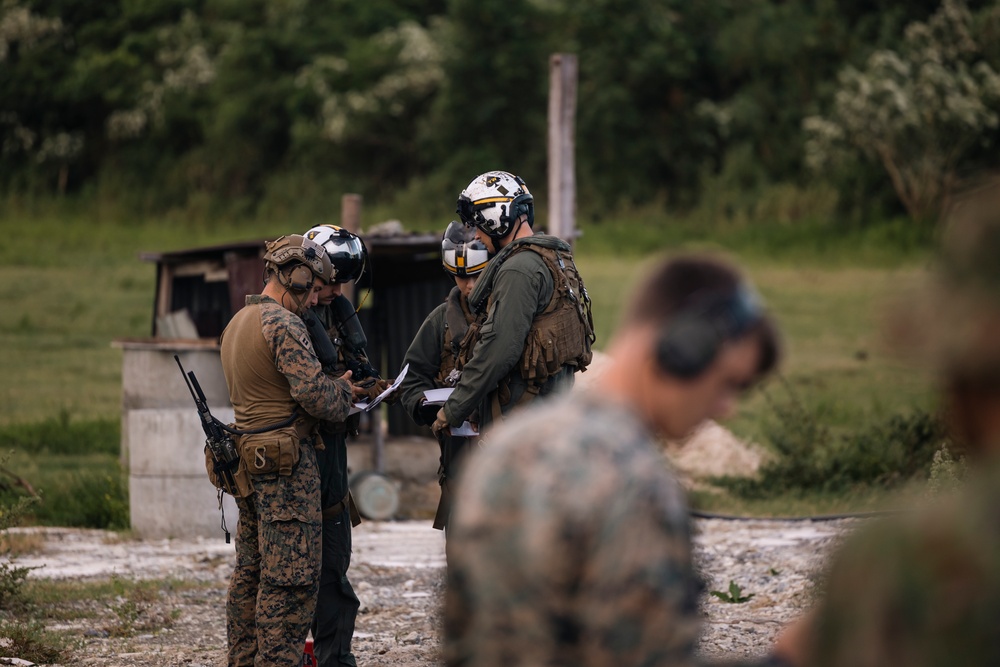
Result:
pixel 827 284
pixel 61 435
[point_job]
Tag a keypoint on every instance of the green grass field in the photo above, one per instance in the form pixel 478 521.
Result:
pixel 62 310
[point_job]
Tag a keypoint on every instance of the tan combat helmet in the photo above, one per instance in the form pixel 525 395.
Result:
pixel 310 259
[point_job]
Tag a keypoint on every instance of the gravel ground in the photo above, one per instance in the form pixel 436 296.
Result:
pixel 398 573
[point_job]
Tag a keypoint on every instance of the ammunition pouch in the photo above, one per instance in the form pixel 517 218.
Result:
pixel 469 341
pixel 274 451
pixel 228 476
pixel 561 335
pixel 555 339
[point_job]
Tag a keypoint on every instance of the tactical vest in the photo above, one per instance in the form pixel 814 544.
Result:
pixel 457 320
pixel 562 334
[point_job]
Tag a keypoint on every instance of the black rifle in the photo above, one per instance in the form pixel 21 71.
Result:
pixel 217 440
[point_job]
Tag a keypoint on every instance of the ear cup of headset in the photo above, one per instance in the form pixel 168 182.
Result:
pixel 300 279
pixel 690 343
pixel 688 346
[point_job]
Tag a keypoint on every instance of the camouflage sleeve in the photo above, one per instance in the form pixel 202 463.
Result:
pixel 523 286
pixel 318 394
pixel 569 545
pixel 920 589
pixel 424 358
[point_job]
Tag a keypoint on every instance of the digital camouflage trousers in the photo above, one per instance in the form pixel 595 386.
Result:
pixel 272 593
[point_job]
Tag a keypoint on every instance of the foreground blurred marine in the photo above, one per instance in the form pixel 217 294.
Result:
pixel 272 373
pixel 533 326
pixel 923 590
pixel 569 543
pixel 434 351
pixel 336 333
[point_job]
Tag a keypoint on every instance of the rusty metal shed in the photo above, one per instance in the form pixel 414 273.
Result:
pixel 207 285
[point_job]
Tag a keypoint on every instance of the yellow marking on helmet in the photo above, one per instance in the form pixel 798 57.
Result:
pixel 491 200
pixel 460 261
pixel 477 267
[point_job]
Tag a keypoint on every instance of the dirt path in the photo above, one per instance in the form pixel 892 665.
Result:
pixel 398 573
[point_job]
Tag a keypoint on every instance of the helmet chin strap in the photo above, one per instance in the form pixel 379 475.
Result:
pixel 298 299
pixel 511 235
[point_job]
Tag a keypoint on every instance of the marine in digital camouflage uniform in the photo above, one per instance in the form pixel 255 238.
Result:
pixel 570 542
pixel 433 353
pixel 923 589
pixel 511 299
pixel 271 370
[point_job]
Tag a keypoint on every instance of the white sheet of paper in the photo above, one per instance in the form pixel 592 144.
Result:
pixel 437 396
pixel 391 388
pixel 465 430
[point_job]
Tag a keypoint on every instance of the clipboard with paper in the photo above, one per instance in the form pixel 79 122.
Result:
pixel 439 397
pixel 372 404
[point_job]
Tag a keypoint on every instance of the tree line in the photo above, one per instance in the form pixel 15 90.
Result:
pixel 207 105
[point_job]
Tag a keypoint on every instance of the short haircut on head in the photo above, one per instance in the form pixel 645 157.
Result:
pixel 674 284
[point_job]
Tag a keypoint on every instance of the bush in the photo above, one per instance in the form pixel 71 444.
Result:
pixel 810 456
pixel 28 640
pixel 91 499
pixel 11 576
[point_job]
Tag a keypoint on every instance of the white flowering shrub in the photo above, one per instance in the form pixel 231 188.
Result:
pixel 916 111
pixel 415 73
pixel 18 25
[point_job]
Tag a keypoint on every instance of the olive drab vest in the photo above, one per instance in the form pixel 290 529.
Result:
pixel 562 334
pixel 457 318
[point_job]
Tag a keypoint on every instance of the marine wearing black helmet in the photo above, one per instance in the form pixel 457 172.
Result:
pixel 337 604
pixel 434 350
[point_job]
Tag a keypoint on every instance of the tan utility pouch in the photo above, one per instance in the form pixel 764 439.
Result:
pixel 234 480
pixel 555 339
pixel 274 451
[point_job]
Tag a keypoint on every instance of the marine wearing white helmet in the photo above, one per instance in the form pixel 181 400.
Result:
pixel 495 203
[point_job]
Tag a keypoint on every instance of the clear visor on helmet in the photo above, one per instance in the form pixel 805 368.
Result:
pixel 464 259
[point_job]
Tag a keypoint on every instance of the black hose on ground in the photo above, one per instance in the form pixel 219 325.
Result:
pixel 700 514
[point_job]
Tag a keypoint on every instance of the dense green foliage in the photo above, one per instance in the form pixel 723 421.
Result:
pixel 274 108
pixel 809 456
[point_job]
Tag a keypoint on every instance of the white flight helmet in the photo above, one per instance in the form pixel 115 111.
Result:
pixel 494 201
pixel 347 252
pixel 461 253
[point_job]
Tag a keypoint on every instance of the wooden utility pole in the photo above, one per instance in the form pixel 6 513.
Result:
pixel 562 127
pixel 350 219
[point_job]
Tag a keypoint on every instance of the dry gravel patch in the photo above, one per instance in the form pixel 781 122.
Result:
pixel 398 572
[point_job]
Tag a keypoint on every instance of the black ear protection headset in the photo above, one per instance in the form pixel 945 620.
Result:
pixel 691 340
